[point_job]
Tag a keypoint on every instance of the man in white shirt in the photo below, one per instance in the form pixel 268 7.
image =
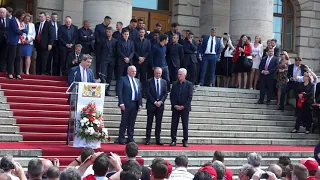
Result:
pixel 181 172
pixel 7 166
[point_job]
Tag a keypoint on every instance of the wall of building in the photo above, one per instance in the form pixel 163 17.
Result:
pixel 187 14
pixel 73 8
pixel 50 6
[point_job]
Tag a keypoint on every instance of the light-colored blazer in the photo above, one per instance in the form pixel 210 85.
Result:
pixel 31 33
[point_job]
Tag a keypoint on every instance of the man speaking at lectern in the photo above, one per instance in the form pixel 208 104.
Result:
pixel 82 73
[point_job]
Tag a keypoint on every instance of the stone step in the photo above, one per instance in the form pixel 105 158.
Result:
pixel 5 113
pixel 7 121
pixel 229 154
pixel 231 141
pixel 21 152
pixel 220 132
pixel 202 121
pixel 9 129
pixel 10 137
pixel 242 110
pixel 239 115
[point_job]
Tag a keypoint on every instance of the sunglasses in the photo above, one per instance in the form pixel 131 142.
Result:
pixel 281 54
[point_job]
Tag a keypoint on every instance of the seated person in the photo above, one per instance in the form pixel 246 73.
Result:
pixel 74 59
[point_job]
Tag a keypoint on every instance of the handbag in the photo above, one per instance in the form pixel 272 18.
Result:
pixel 247 64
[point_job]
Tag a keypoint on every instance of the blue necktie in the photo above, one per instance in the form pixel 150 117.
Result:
pixel 158 90
pixel 135 90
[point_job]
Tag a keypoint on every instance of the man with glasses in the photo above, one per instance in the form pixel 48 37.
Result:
pixel 246 172
pixel 295 75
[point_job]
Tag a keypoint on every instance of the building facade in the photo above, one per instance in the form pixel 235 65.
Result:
pixel 294 23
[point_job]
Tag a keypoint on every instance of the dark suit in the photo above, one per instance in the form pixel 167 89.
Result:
pixel 71 57
pixel 267 81
pixel 100 36
pixel 277 51
pixel 53 57
pixel 66 36
pixel 77 78
pixel 304 114
pixel 124 49
pixel 142 49
pixel 170 34
pixel 86 38
pixel 129 115
pixel 190 60
pixel 3 43
pixel 152 110
pixel 108 55
pixel 117 35
pixel 291 85
pixel 175 56
pixel 181 95
pixel 133 33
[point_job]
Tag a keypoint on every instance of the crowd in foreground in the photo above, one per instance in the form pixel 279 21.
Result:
pixel 90 165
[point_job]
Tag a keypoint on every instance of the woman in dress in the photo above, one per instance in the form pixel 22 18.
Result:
pixel 227 61
pixel 282 78
pixel 15 37
pixel 240 60
pixel 27 46
pixel 257 51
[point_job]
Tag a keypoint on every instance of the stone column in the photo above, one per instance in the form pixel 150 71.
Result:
pixel 118 10
pixel 74 9
pixel 251 17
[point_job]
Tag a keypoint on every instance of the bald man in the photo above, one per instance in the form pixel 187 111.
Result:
pixel 4 24
pixel 130 102
pixel 46 165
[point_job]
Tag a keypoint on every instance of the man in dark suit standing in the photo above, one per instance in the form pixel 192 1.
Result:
pixel 82 73
pixel 276 49
pixel 74 59
pixel 190 57
pixel 109 49
pixel 53 57
pixel 130 102
pixel 296 69
pixel 100 36
pixel 156 93
pixel 118 34
pixel 211 50
pixel 268 68
pixel 4 24
pixel 174 31
pixel 86 37
pixel 67 38
pixel 44 42
pixel 180 97
pixel 175 56
pixel 142 48
pixel 133 32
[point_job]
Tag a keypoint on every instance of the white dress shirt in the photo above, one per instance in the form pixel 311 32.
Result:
pixel 181 173
pixel 83 73
pixel 208 49
pixel 41 26
pixel 55 25
pixel 132 87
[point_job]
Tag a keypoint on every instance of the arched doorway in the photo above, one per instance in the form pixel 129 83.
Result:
pixel 30 6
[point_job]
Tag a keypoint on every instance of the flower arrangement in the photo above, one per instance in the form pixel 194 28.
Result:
pixel 91 127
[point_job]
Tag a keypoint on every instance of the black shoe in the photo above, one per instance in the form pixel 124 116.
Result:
pixel 281 108
pixel 268 102
pixel 185 144
pixel 159 143
pixel 173 143
pixel 260 102
pixel 147 142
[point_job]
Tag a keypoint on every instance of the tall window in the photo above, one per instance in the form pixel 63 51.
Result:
pixel 283 23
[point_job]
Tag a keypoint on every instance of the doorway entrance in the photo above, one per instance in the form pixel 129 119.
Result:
pixel 151 18
pixel 30 6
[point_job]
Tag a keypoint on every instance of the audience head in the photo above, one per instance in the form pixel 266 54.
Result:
pixel 142 32
pixel 78 48
pixel 140 23
pixel 129 175
pixel 243 40
pixel 109 32
pixel 125 34
pixel 133 23
pixel 220 169
pixel 158 27
pixel 181 161
pixel 297 61
pixel 299 172
pixel 46 163
pixel 119 26
pixel 184 34
pixel 86 24
pixel 284 55
pixel 70 174
pixel 156 35
pixel 101 165
pixel 4 176
pixel 175 27
pixel 85 153
pixel 246 172
pixel 132 166
pixel 190 35
pixel 48 17
pixel 270 52
pixel 86 61
pixel 182 74
pixel 159 169
pixel 213 173
pixel 273 42
pixel 107 20
pixel 169 165
pixel 3 12
pixel 54 17
pixel 310 163
pixel 27 18
pixel 175 38
pixel 7 163
pixel 257 39
pixel 68 21
pixel 19 14
pixel 157 72
pixel 269 43
pixel 163 39
pixel 9 11
pixel 254 159
pixel 35 169
pixel 218 155
pixel 132 71
pixel 53 173
pixel 276 169
pixel 249 39
pixel 202 175
pixel 42 16
pixel 214 31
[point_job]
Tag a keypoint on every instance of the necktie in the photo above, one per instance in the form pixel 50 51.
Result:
pixel 55 29
pixel 211 47
pixel 158 90
pixel 267 64
pixel 39 33
pixel 77 57
pixel 2 23
pixel 84 79
pixel 135 90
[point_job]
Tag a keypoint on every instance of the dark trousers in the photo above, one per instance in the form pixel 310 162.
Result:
pixel 290 86
pixel 64 53
pixel 158 113
pixel 266 83
pixel 107 69
pixel 199 70
pixel 184 114
pixel 192 71
pixel 98 58
pixel 173 71
pixel 3 55
pixel 128 119
pixel 41 62
pixel 142 70
pixel 165 76
pixel 304 115
pixel 53 63
pixel 14 54
pixel 211 61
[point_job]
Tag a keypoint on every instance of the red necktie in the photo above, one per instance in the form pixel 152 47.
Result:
pixel 39 33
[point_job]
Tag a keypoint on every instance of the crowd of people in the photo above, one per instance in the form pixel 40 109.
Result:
pixel 90 165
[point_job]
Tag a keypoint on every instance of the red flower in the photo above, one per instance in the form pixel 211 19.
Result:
pixel 91 118
pixel 90 112
pixel 84 109
pixel 100 118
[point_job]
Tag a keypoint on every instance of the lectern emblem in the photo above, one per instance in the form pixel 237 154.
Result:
pixel 93 91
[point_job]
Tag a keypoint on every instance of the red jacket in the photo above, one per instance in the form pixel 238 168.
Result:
pixel 247 52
